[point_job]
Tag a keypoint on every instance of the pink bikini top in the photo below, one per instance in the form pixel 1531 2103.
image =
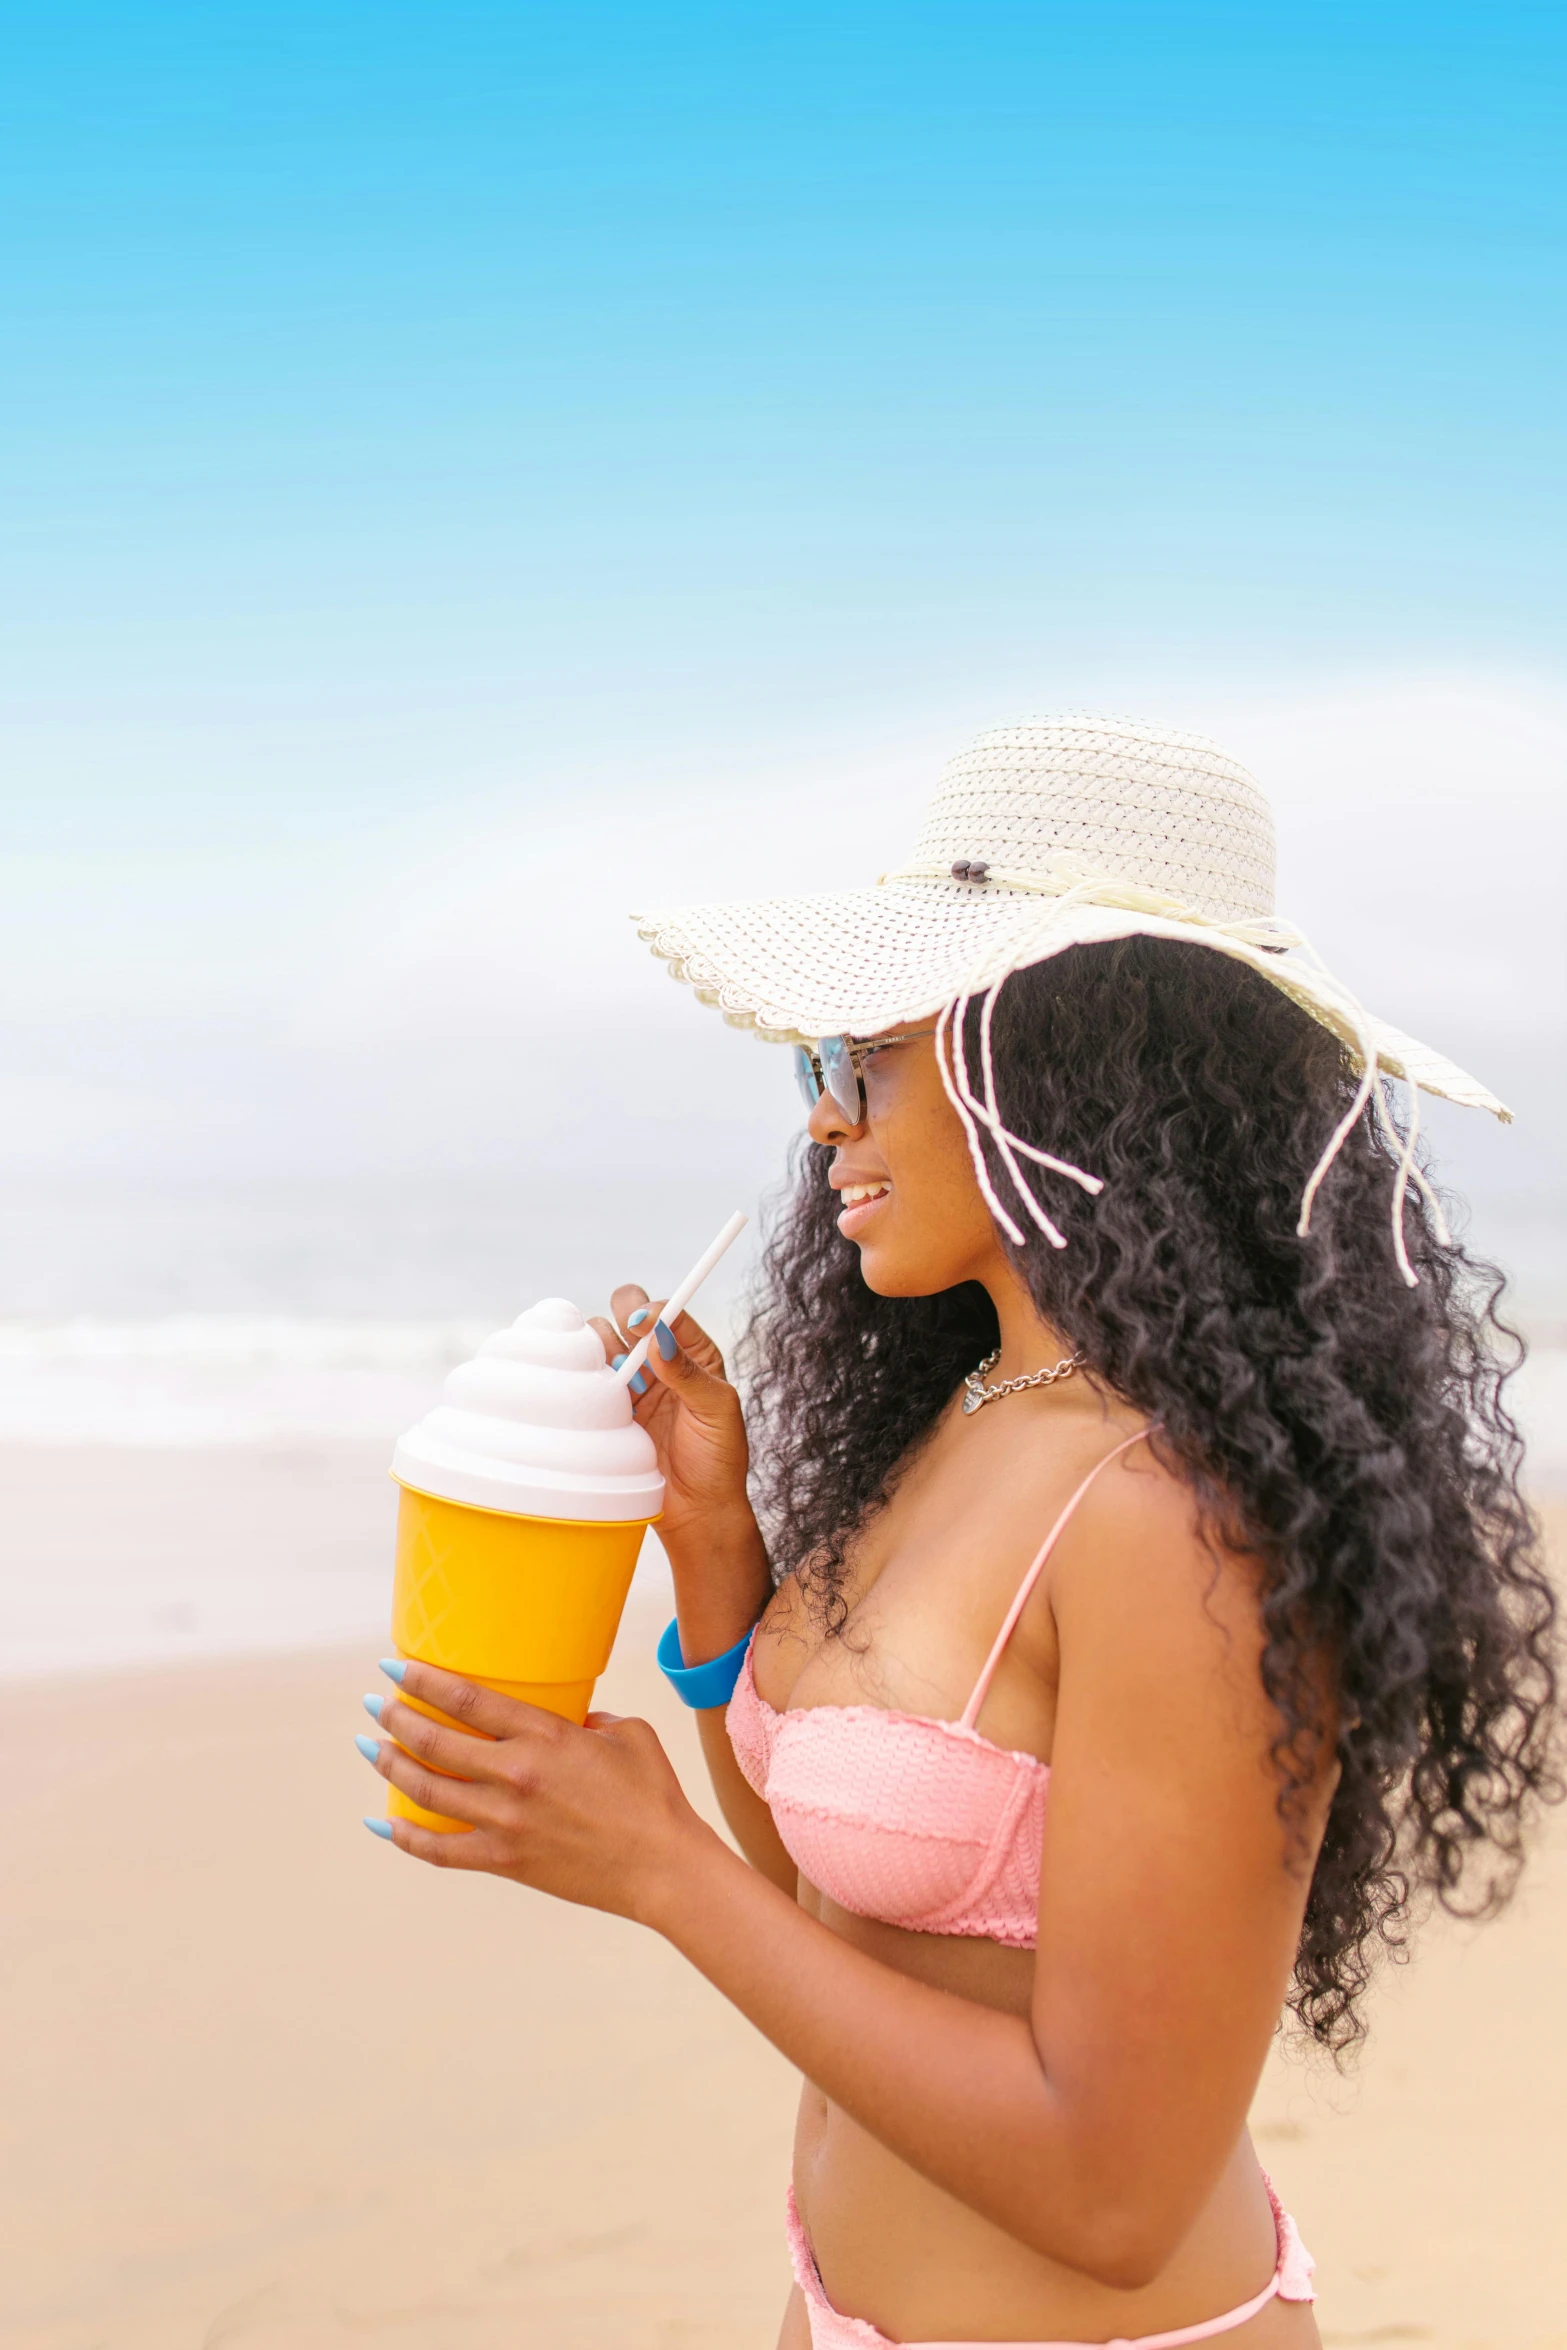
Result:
pixel 922 1823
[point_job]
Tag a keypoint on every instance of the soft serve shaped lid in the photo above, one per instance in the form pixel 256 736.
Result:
pixel 537 1425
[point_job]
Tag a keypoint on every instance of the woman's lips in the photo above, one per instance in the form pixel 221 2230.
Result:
pixel 860 1203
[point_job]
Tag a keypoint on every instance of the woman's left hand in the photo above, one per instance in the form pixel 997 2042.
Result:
pixel 593 1815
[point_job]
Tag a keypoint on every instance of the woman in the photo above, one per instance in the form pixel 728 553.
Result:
pixel 1136 1610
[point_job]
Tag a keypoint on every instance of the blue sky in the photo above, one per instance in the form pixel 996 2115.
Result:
pixel 426 429
pixel 487 359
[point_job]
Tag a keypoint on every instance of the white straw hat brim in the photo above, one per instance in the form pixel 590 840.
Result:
pixel 858 962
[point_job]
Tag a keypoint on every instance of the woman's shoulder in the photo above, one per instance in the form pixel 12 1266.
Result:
pixel 1099 1464
pixel 1146 1562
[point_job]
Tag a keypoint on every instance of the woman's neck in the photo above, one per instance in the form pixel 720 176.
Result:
pixel 1028 1341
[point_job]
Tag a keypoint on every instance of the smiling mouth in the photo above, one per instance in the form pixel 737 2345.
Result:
pixel 855 1195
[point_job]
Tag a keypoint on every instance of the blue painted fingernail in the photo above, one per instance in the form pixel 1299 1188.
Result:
pixel 380 1828
pixel 368 1748
pixel 616 1361
pixel 636 1320
pixel 639 1384
pixel 394 1669
pixel 373 1707
pixel 666 1342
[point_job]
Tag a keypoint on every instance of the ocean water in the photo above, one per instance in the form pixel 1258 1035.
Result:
pixel 197 1415
pixel 199 1381
pixel 373 1250
pixel 201 1385
pixel 169 1316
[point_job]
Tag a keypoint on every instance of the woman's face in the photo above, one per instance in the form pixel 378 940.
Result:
pixel 911 1204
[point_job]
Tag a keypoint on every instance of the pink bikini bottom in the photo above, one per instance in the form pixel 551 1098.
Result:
pixel 1291 2281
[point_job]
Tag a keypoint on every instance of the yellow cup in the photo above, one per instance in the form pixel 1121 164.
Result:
pixel 528 1606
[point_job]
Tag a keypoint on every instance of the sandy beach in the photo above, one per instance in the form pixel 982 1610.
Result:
pixel 267 2084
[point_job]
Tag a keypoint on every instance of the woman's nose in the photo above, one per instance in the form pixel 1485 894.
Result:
pixel 829 1122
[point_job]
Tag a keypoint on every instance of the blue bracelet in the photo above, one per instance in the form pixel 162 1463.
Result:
pixel 700 1686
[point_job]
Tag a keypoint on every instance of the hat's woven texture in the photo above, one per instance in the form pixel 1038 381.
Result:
pixel 1142 803
pixel 1088 829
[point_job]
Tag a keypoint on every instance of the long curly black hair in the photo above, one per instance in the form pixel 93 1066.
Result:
pixel 1347 1430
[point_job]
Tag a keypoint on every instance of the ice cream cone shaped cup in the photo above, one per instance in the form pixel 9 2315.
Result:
pixel 524 1498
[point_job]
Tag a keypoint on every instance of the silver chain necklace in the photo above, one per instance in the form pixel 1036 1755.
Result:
pixel 979 1393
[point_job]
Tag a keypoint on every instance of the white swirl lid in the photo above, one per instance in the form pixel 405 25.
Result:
pixel 537 1425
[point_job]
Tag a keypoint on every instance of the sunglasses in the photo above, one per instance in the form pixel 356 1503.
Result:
pixel 835 1068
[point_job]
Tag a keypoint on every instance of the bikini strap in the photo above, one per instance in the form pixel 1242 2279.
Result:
pixel 982 1686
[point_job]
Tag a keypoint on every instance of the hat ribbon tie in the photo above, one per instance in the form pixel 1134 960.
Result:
pixel 1374 1084
pixel 977 1110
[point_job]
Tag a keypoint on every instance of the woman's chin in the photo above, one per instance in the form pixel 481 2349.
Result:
pixel 879 1269
pixel 894 1272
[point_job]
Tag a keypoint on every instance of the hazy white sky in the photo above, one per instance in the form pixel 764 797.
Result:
pixel 322 988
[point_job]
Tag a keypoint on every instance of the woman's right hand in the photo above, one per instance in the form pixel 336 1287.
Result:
pixel 693 1415
pixel 716 1552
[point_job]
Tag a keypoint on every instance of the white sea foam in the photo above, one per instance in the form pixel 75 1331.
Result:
pixel 238 1379
pixel 221 1379
pixel 207 1485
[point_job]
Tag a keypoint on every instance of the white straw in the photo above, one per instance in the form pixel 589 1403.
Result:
pixel 678 1299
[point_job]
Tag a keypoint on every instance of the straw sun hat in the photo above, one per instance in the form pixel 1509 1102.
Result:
pixel 1060 831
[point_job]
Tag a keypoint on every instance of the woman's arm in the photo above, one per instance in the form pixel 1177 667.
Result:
pixel 711 1538
pixel 1094 2129
pixel 747 1817
pixel 710 1610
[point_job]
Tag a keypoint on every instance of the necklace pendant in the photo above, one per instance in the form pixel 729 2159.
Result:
pixel 971 1402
